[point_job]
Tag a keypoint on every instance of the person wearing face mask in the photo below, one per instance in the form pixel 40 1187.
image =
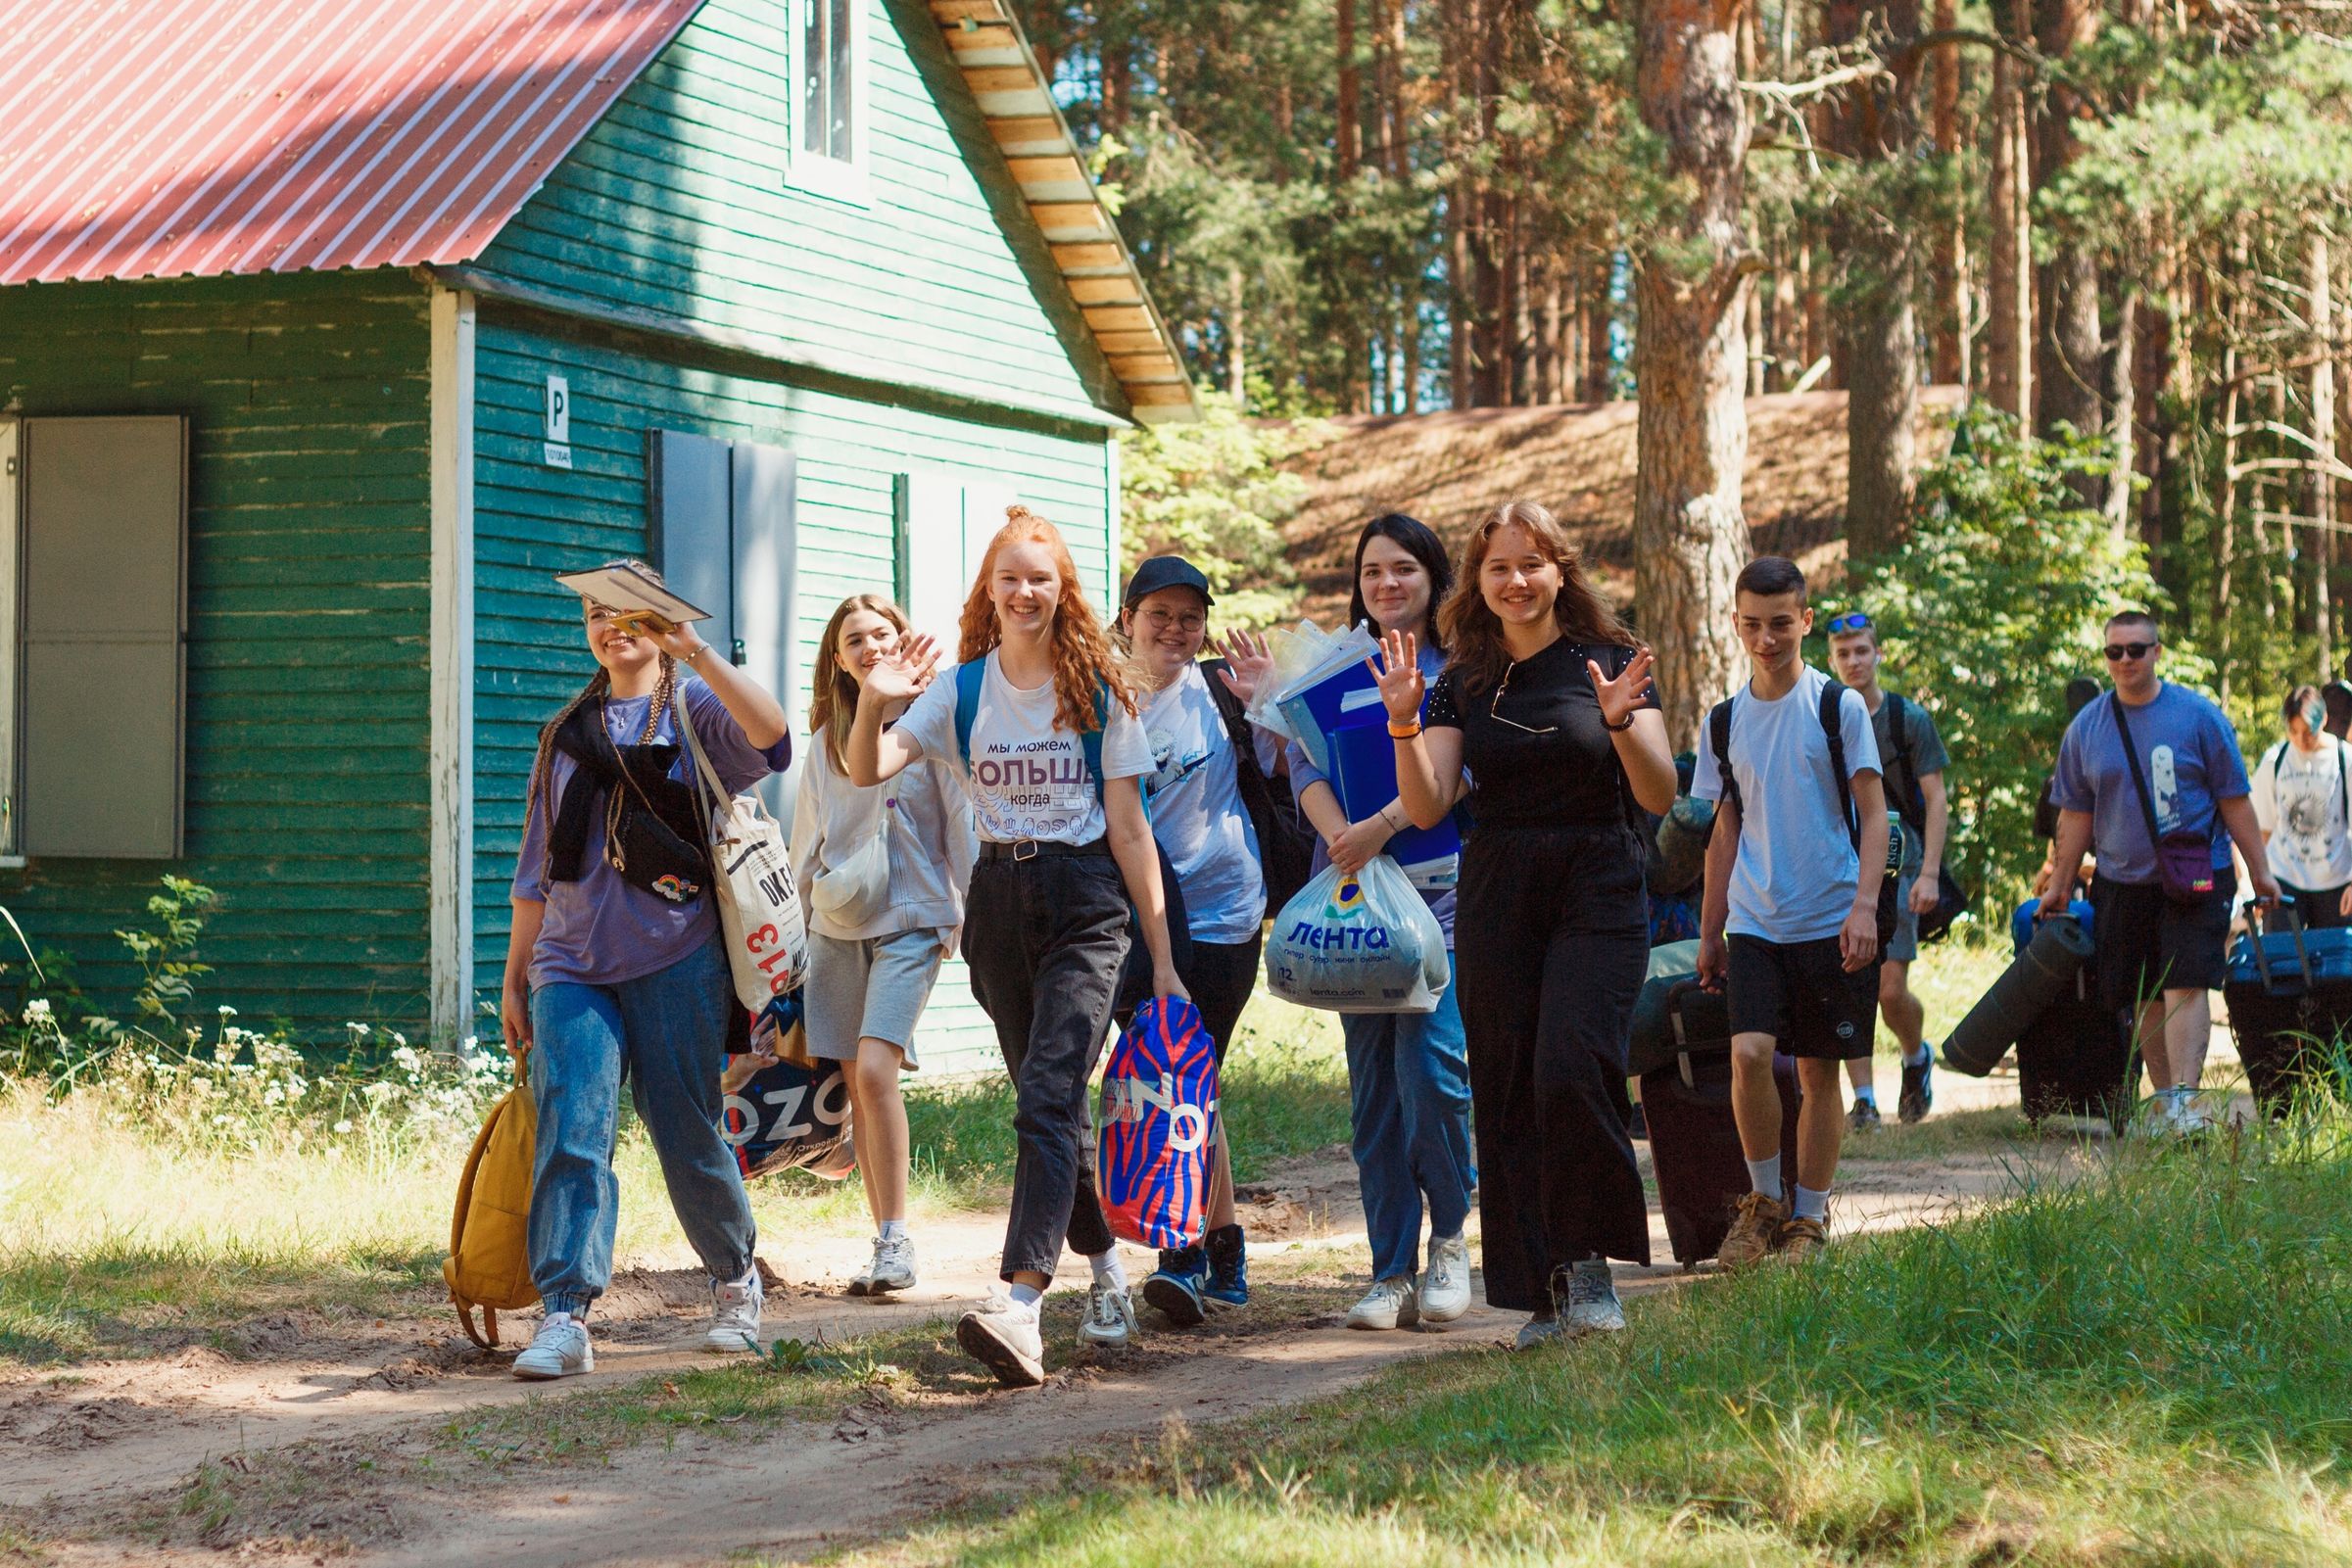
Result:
pixel 1407 1074
pixel 874 953
pixel 1195 795
pixel 614 964
pixel 2301 801
pixel 1546 705
pixel 1039 724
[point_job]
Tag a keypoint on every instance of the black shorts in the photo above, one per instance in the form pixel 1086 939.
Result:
pixel 1801 994
pixel 2148 945
pixel 2321 908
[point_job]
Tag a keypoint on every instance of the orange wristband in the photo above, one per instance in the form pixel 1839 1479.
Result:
pixel 1404 732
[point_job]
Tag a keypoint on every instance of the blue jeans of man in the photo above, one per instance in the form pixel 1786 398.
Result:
pixel 666 1032
pixel 1409 1077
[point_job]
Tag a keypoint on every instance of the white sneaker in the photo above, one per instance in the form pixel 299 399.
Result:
pixel 1537 1331
pixel 560 1349
pixel 1001 1334
pixel 734 1310
pixel 1391 1303
pixel 891 1267
pixel 1110 1321
pixel 2190 1115
pixel 1444 1294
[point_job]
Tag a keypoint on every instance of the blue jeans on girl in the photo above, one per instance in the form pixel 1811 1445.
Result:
pixel 1409 1075
pixel 666 1032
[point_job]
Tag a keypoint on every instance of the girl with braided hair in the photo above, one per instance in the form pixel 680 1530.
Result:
pixel 613 967
pixel 1039 726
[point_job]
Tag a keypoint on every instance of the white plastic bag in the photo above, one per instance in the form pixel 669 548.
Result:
pixel 1305 656
pixel 1365 943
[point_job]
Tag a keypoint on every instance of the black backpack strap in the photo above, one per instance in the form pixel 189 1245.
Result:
pixel 1229 709
pixel 1833 726
pixel 1913 805
pixel 1718 733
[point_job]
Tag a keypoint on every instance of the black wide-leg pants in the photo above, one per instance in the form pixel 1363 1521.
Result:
pixel 1551 946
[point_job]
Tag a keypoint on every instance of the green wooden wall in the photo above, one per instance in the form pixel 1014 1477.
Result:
pixel 307 781
pixel 679 202
pixel 532 520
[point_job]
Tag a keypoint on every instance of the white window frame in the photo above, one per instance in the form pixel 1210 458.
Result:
pixel 12 539
pixel 820 173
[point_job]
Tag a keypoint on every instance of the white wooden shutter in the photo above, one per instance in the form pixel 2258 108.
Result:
pixel 105 620
pixel 763 494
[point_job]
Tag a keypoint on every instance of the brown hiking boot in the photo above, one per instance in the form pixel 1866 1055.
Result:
pixel 1755 1225
pixel 1801 1238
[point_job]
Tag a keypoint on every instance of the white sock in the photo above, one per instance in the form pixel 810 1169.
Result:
pixel 894 1230
pixel 1107 1270
pixel 1811 1205
pixel 1026 1296
pixel 1867 1095
pixel 1914 1059
pixel 1765 1177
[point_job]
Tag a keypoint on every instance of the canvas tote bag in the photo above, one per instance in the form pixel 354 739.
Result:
pixel 760 917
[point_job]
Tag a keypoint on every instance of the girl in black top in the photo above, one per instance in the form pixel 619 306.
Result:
pixel 1546 700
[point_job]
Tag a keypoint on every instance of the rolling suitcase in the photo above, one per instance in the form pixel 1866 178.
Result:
pixel 2077 1058
pixel 2289 995
pixel 1693 1143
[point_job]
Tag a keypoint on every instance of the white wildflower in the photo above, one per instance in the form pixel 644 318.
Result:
pixel 343 1126
pixel 37 1008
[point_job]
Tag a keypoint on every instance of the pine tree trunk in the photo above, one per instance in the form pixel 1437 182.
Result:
pixel 2009 261
pixel 2322 291
pixel 1600 356
pixel 2070 350
pixel 1347 131
pixel 1690 539
pixel 1950 259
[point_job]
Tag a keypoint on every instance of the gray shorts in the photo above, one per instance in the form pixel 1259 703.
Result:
pixel 1903 947
pixel 871 989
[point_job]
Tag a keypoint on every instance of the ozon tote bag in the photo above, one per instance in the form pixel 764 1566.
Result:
pixel 760 917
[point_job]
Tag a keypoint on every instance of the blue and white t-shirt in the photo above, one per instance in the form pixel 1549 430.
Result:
pixel 1797 872
pixel 1194 793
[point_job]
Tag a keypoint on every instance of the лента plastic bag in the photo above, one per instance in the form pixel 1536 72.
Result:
pixel 1362 943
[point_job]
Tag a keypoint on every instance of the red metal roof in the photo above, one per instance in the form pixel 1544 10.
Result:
pixel 157 138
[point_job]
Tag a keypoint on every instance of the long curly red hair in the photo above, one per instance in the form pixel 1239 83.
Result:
pixel 1083 656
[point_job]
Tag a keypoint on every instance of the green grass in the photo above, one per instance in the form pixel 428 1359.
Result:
pixel 2147 1365
pixel 128 1234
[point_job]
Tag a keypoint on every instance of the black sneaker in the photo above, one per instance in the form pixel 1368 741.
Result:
pixel 1863 1117
pixel 1918 1089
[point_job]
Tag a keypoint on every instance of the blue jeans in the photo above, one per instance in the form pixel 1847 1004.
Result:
pixel 667 1033
pixel 1409 1075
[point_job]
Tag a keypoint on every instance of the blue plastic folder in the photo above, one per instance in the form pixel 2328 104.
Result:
pixel 1364 775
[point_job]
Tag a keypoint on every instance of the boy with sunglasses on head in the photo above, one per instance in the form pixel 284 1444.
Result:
pixel 1914 759
pixel 1790 927
pixel 2151 774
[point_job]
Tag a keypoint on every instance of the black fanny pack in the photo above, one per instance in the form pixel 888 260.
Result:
pixel 651 825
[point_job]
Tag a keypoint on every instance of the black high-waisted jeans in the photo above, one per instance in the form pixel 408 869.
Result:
pixel 1045 940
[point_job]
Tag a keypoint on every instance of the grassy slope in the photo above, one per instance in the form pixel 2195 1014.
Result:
pixel 2150 1366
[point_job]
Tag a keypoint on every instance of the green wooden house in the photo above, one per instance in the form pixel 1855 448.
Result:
pixel 322 345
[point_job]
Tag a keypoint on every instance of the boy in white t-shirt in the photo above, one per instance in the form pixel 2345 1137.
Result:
pixel 2305 811
pixel 1789 922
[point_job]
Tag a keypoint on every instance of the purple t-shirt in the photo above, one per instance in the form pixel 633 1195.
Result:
pixel 601 930
pixel 2189 758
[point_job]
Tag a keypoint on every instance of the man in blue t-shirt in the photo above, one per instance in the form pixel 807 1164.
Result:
pixel 2159 953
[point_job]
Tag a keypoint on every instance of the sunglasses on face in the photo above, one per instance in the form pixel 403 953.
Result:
pixel 1850 621
pixel 2119 651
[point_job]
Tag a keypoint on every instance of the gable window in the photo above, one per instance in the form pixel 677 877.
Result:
pixel 828 97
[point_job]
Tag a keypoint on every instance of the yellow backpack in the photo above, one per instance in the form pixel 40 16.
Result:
pixel 489 1264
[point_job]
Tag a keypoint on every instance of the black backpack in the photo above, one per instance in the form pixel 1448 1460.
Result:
pixel 1718 726
pixel 1286 840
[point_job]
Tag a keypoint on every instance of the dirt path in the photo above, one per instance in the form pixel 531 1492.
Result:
pixel 105 1439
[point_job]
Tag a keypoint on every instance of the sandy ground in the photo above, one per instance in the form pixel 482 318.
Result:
pixel 86 1452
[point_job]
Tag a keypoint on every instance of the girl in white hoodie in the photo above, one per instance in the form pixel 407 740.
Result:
pixel 884 872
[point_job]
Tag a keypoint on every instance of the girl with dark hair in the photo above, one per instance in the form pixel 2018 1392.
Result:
pixel 2301 801
pixel 1546 700
pixel 882 872
pixel 614 964
pixel 1039 725
pixel 1408 1081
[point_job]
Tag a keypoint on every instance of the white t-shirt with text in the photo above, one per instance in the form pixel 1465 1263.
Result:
pixel 2300 801
pixel 1027 777
pixel 1797 871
